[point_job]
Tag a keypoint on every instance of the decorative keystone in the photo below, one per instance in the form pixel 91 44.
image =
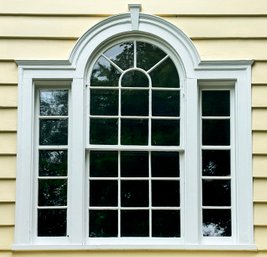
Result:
pixel 134 11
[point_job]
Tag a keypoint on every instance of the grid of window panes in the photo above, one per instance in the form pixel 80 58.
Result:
pixel 216 163
pixel 134 138
pixel 53 163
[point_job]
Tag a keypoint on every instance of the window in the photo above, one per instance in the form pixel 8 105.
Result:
pixel 134 143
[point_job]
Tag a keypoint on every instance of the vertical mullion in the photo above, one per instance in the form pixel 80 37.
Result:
pixel 150 193
pixel 119 194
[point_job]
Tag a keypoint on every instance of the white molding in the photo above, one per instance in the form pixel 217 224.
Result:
pixel 134 11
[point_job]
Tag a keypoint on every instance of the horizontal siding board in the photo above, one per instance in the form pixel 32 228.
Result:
pixel 260 192
pixel 259 93
pixel 7 143
pixel 259 74
pixel 8 72
pixel 7 167
pixel 7 216
pixel 7 238
pixel 260 214
pixel 260 166
pixel 7 190
pixel 8 119
pixel 259 119
pixel 260 238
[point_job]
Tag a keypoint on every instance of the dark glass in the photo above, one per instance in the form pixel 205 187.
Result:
pixel 134 223
pixel 165 223
pixel 134 102
pixel 165 103
pixel 134 78
pixel 216 192
pixel 122 54
pixel 54 132
pixel 216 223
pixel 52 192
pixel 134 132
pixel 165 75
pixel 53 163
pixel 165 132
pixel 52 222
pixel 148 55
pixel 104 102
pixel 134 164
pixel 104 74
pixel 53 102
pixel 216 132
pixel 104 131
pixel 134 193
pixel 216 103
pixel 103 164
pixel 103 193
pixel 103 223
pixel 165 164
pixel 216 163
pixel 165 193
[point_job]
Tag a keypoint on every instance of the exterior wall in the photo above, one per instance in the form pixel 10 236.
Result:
pixel 48 29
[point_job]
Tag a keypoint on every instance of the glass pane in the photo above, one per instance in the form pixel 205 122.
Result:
pixel 165 132
pixel 103 164
pixel 104 102
pixel 103 223
pixel 135 223
pixel 103 193
pixel 216 163
pixel 148 55
pixel 134 132
pixel 166 103
pixel 216 192
pixel 104 131
pixel 134 102
pixel 165 223
pixel 165 164
pixel 216 132
pixel 104 74
pixel 53 163
pixel 52 192
pixel 53 102
pixel 122 54
pixel 134 78
pixel 216 103
pixel 165 193
pixel 134 193
pixel 165 75
pixel 216 223
pixel 52 222
pixel 54 132
pixel 134 164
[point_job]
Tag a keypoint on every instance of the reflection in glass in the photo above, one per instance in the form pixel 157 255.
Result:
pixel 134 223
pixel 103 164
pixel 134 78
pixel 165 193
pixel 103 223
pixel 52 192
pixel 104 74
pixel 104 131
pixel 165 164
pixel 215 103
pixel 216 223
pixel 122 54
pixel 54 132
pixel 53 163
pixel 134 193
pixel 134 164
pixel 216 162
pixel 134 132
pixel 52 222
pixel 103 102
pixel 216 192
pixel 165 75
pixel 148 55
pixel 134 102
pixel 216 132
pixel 165 132
pixel 165 223
pixel 103 193
pixel 166 103
pixel 53 102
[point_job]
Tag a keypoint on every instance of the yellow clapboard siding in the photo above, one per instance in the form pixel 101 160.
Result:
pixel 7 143
pixel 259 74
pixel 259 121
pixel 260 237
pixel 8 119
pixel 18 49
pixel 8 96
pixel 259 93
pixel 6 253
pixel 7 190
pixel 260 192
pixel 260 166
pixel 7 216
pixel 8 72
pixel 260 214
pixel 259 142
pixel 7 238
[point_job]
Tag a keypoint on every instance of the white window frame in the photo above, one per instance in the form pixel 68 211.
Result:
pixel 195 74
